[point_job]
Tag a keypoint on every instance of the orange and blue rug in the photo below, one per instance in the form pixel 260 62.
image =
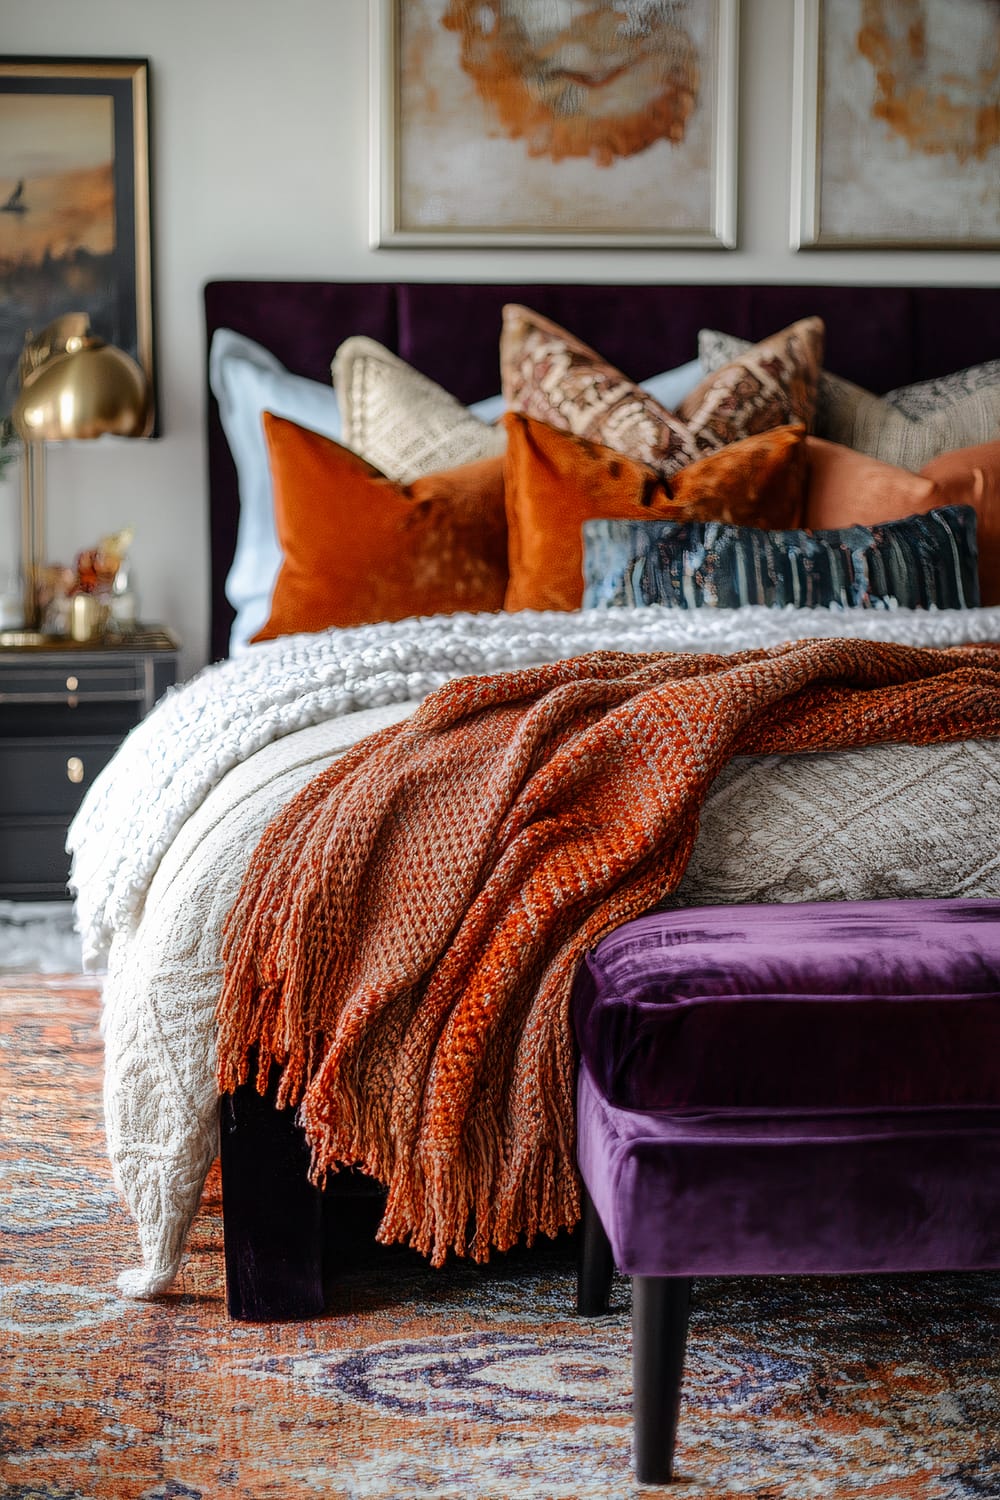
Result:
pixel 463 1384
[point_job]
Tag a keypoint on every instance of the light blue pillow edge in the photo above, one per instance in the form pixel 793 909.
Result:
pixel 246 380
pixel 671 386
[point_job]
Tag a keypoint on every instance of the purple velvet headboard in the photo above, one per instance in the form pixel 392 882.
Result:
pixel 879 336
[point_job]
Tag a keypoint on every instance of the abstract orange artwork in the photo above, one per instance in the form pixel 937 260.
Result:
pixel 539 121
pixel 899 106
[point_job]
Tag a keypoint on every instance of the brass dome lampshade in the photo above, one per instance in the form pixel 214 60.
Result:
pixel 73 385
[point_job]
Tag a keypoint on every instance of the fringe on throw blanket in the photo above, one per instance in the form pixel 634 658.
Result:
pixel 405 939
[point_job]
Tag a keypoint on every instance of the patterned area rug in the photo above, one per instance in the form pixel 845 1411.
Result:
pixel 465 1384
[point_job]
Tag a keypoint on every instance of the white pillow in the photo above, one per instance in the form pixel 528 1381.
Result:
pixel 247 380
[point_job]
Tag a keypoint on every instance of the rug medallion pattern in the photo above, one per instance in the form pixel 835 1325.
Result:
pixel 464 1384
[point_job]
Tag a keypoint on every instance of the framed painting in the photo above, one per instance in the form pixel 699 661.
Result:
pixel 540 123
pixel 74 204
pixel 896 124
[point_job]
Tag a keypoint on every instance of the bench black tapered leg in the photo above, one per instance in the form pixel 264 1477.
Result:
pixel 596 1265
pixel 272 1214
pixel 659 1333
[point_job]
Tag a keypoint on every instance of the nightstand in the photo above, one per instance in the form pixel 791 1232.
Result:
pixel 64 710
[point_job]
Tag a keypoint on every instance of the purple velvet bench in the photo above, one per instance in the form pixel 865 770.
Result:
pixel 772 1090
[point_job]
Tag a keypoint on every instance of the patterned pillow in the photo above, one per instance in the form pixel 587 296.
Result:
pixel 908 427
pixel 550 375
pixel 924 562
pixel 402 421
pixel 928 396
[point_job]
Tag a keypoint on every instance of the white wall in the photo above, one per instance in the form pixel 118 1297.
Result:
pixel 259 135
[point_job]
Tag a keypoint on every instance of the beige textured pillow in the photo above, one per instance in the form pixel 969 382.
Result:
pixel 846 413
pixel 549 374
pixel 872 426
pixel 402 421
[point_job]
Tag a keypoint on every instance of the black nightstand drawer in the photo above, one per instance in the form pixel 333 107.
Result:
pixel 35 680
pixel 42 776
pixel 80 716
pixel 33 860
pixel 64 710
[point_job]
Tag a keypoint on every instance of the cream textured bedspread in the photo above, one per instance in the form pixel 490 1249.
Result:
pixel 895 820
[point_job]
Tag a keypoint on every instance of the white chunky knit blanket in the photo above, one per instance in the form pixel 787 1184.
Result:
pixel 162 839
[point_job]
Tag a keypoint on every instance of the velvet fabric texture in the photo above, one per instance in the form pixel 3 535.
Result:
pixel 839 1005
pixel 554 482
pixel 846 488
pixel 794 1089
pixel 976 473
pixel 358 547
pixel 923 562
pixel 550 374
pixel 246 381
pixel 818 1194
pixel 877 335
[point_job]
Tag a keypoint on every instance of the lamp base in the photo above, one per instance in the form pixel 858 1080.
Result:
pixel 32 526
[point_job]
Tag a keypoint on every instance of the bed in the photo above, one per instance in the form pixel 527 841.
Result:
pixel 154 845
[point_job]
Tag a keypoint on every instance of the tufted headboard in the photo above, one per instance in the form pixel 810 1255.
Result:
pixel 880 337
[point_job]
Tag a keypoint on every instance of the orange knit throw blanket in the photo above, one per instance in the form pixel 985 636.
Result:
pixel 405 939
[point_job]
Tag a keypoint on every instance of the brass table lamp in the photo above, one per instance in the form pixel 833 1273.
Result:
pixel 73 385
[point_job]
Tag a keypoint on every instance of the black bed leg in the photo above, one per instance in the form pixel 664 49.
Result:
pixel 659 1333
pixel 596 1265
pixel 272 1214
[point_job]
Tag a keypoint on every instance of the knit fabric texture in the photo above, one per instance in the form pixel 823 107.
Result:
pixel 405 939
pixel 200 731
pixel 852 825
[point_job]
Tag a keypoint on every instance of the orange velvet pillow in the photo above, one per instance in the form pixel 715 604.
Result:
pixel 554 482
pixel 974 473
pixel 845 488
pixel 359 547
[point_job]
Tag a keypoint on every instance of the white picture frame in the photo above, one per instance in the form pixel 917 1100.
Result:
pixel 448 169
pixel 869 172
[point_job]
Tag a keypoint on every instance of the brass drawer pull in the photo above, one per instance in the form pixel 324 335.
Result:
pixel 74 769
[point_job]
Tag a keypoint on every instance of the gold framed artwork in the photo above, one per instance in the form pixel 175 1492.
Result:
pixel 897 125
pixel 509 122
pixel 74 203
